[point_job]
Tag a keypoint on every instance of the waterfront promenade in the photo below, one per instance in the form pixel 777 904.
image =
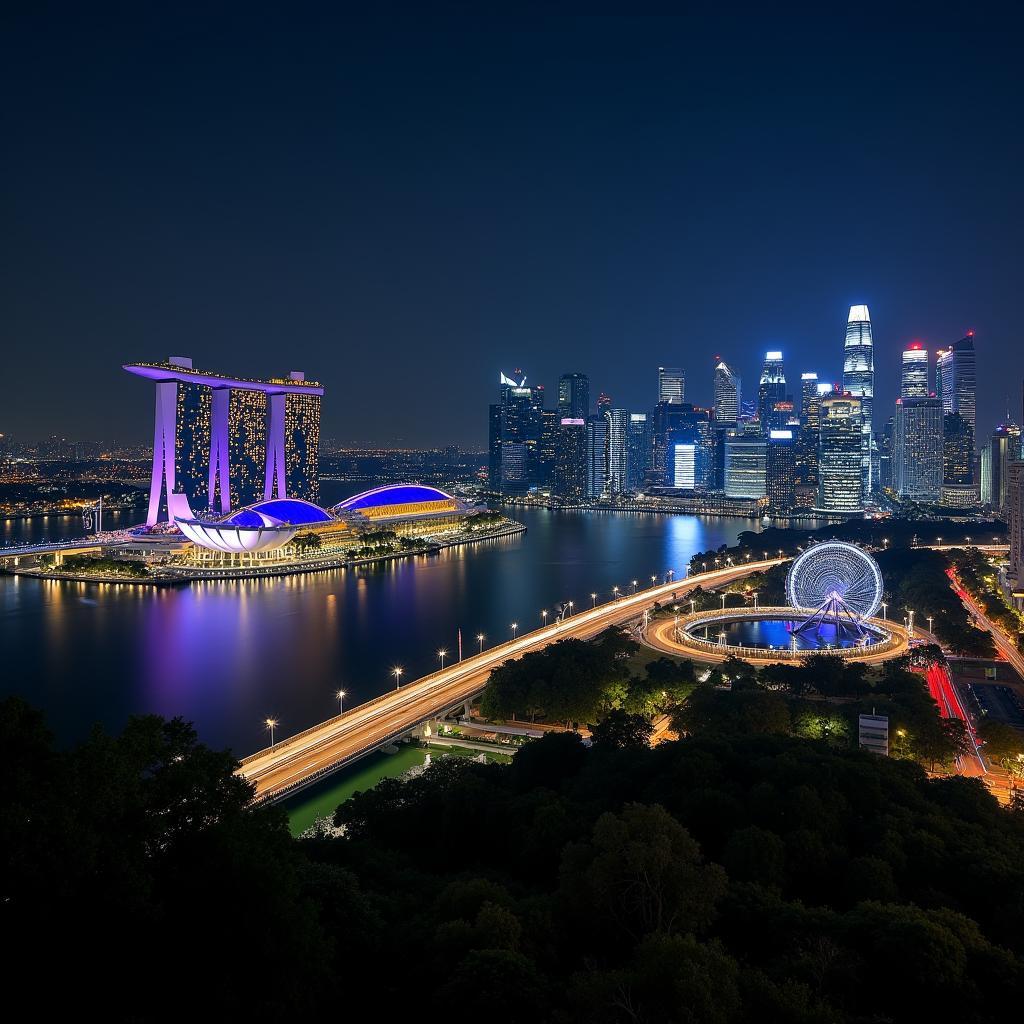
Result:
pixel 308 756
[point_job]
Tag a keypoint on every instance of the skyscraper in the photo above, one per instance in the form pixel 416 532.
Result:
pixel 956 385
pixel 570 477
pixel 772 387
pixel 597 456
pixel 301 443
pixel 859 379
pixel 515 428
pixel 958 488
pixel 574 396
pixel 780 469
pixel 914 372
pixel 728 393
pixel 917 443
pixel 684 465
pixel 810 400
pixel 671 384
pixel 840 444
pixel 1003 448
pixel 746 465
pixel 618 450
pixel 639 450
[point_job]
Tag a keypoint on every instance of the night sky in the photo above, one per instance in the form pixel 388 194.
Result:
pixel 403 206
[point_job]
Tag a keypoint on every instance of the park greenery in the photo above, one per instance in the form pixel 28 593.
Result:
pixel 737 876
pixel 488 520
pixel 306 543
pixel 94 565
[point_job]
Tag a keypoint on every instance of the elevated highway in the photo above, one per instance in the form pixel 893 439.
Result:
pixel 308 756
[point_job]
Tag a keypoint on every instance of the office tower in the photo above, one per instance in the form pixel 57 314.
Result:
pixel 597 456
pixel 840 487
pixel 301 443
pixel 574 396
pixel 604 403
pixel 956 383
pixel 691 424
pixel 570 477
pixel 986 474
pixel 746 465
pixel 494 432
pixel 782 415
pixel 859 380
pixel 1015 520
pixel 780 469
pixel 958 488
pixel 728 393
pixel 671 384
pixel 1003 448
pixel 914 372
pixel 917 449
pixel 772 387
pixel 639 451
pixel 684 465
pixel 618 450
pixel 547 446
pixel 515 429
pixel 810 400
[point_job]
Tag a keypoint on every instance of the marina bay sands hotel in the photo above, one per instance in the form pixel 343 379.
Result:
pixel 221 443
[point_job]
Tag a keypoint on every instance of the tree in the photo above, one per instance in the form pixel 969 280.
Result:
pixel 1003 743
pixel 619 730
pixel 305 542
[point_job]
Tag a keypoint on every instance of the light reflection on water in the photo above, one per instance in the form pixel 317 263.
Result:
pixel 225 655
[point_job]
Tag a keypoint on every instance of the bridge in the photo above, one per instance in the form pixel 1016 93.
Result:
pixel 305 758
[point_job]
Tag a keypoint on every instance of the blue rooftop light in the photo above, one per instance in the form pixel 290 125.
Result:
pixel 398 494
pixel 295 511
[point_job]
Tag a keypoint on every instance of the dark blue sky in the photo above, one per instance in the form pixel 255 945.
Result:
pixel 400 206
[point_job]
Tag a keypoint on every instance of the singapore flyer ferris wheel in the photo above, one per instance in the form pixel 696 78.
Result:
pixel 835 572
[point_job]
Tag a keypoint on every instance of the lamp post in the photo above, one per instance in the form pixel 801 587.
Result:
pixel 544 616
pixel 654 579
pixel 929 623
pixel 572 604
pixel 271 724
pixel 593 599
pixel 340 695
pixel 938 542
pixel 442 654
pixel 704 566
pixel 693 606
pixel 615 592
pixel 514 626
pixel 634 586
pixel 670 574
pixel 722 596
pixel 397 673
pixel 910 630
pixel 755 600
pixel 480 640
pixel 885 607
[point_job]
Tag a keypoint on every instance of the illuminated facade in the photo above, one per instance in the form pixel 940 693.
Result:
pixel 840 444
pixel 859 381
pixel 917 449
pixel 728 393
pixel 772 387
pixel 914 372
pixel 671 384
pixel 746 466
pixel 220 442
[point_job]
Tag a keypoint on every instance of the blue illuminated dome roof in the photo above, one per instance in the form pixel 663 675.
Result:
pixel 295 511
pixel 398 494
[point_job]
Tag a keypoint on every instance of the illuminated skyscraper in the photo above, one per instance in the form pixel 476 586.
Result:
pixel 247 446
pixel 1003 448
pixel 301 444
pixel 772 387
pixel 780 469
pixel 639 450
pixel 956 385
pixel 684 465
pixel 914 373
pixel 840 444
pixel 958 488
pixel 192 444
pixel 728 393
pixel 597 456
pixel 574 396
pixel 618 450
pixel 859 379
pixel 746 465
pixel 918 444
pixel 810 400
pixel 671 384
pixel 570 478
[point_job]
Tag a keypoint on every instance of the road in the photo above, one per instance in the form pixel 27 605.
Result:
pixel 302 759
pixel 1004 644
pixel 944 693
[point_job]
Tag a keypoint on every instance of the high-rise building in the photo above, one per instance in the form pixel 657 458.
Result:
pixel 671 384
pixel 570 477
pixel 914 372
pixel 958 487
pixel 859 380
pixel 917 449
pixel 783 414
pixel 780 469
pixel 604 403
pixel 772 387
pixel 301 443
pixel 574 396
pixel 597 456
pixel 515 429
pixel 840 486
pixel 617 473
pixel 247 445
pixel 810 400
pixel 1003 448
pixel 884 443
pixel 639 445
pixel 684 465
pixel 192 440
pixel 1015 520
pixel 728 392
pixel 547 446
pixel 746 465
pixel 956 385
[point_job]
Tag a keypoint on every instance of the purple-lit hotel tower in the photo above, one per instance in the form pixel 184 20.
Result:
pixel 224 442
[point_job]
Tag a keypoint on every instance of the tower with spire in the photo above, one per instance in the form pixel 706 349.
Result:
pixel 859 380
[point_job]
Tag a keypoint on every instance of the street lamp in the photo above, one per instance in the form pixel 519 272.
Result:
pixel 397 673
pixel 654 579
pixel 885 607
pixel 514 626
pixel 572 604
pixel 938 541
pixel 544 615
pixel 755 600
pixel 693 606
pixel 271 724
pixel 615 591
pixel 723 601
pixel 910 630
pixel 442 654
pixel 340 695
pixel 480 640
pixel 929 623
pixel 634 586
pixel 704 566
pixel 593 598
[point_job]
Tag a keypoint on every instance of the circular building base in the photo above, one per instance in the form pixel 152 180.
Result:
pixel 676 636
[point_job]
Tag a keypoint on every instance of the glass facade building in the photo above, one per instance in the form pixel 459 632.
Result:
pixel 617 473
pixel 772 387
pixel 918 449
pixel 840 447
pixel 671 384
pixel 914 373
pixel 859 381
pixel 728 393
pixel 746 465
